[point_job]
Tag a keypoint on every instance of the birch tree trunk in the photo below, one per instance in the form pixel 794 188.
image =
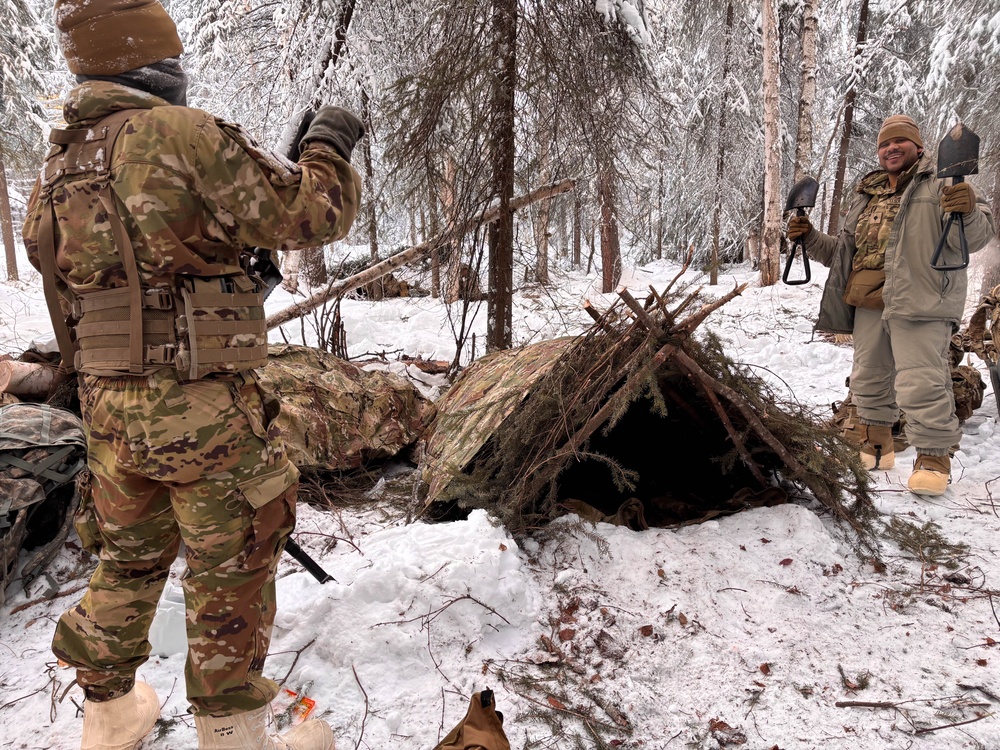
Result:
pixel 807 95
pixel 499 306
pixel 845 139
pixel 771 234
pixel 7 224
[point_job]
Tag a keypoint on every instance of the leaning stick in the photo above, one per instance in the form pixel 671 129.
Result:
pixel 409 255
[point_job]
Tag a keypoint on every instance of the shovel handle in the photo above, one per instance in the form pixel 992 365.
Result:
pixel 800 242
pixel 943 242
pixel 302 558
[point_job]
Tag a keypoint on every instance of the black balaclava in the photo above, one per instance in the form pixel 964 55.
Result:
pixel 165 79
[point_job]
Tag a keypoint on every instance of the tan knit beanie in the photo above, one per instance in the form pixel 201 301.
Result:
pixel 108 37
pixel 899 126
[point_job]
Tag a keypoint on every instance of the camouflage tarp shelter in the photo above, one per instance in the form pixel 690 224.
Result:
pixel 635 423
pixel 336 416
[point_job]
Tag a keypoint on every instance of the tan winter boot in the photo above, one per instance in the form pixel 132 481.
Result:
pixel 877 450
pixel 930 475
pixel 248 731
pixel 122 722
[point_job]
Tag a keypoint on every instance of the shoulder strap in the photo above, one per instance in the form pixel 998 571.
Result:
pixel 47 261
pixel 86 150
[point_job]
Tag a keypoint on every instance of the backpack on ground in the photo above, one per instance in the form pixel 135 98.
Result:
pixel 42 448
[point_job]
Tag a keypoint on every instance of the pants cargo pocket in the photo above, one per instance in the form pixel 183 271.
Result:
pixel 270 499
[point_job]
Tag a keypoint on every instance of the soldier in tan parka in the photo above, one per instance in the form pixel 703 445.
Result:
pixel 139 224
pixel 901 312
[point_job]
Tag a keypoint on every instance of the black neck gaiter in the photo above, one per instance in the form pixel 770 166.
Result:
pixel 165 79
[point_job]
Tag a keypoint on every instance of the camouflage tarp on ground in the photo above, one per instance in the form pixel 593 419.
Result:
pixel 479 401
pixel 338 417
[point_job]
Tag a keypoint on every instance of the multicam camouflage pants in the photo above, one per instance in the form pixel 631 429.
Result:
pixel 197 462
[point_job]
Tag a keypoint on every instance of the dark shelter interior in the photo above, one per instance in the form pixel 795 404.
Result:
pixel 677 458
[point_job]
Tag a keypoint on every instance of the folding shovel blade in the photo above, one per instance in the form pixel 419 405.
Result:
pixel 958 153
pixel 803 194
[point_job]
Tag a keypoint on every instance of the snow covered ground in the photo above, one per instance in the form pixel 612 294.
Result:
pixel 759 630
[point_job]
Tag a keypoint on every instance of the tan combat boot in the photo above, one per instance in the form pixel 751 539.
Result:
pixel 877 450
pixel 122 722
pixel 248 731
pixel 930 475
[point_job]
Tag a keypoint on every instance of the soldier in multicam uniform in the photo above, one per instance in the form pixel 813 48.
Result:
pixel 902 312
pixel 139 223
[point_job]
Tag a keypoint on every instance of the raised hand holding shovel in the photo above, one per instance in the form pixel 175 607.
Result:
pixel 958 156
pixel 802 196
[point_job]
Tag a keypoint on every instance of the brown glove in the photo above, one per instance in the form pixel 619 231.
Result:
pixel 959 198
pixel 798 226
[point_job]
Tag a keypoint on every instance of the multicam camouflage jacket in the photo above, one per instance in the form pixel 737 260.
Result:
pixel 194 192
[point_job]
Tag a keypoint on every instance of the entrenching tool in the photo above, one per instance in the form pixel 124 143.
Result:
pixel 800 197
pixel 302 558
pixel 958 155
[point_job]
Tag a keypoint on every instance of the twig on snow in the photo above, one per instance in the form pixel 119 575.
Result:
pixel 429 617
pixel 294 661
pixel 365 717
pixel 42 600
pixel 925 730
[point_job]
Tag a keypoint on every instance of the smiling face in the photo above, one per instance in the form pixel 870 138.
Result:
pixel 896 155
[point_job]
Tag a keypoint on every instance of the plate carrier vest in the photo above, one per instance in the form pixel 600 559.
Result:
pixel 203 325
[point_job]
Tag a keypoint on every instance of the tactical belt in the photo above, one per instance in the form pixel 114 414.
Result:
pixel 135 329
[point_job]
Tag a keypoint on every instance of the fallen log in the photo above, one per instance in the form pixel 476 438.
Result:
pixel 404 257
pixel 29 380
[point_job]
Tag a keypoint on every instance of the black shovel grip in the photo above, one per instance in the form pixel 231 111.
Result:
pixel 302 558
pixel 943 242
pixel 800 242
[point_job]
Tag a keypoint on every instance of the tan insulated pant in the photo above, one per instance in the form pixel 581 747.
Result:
pixel 903 364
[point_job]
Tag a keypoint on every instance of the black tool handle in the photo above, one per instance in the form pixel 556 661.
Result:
pixel 943 242
pixel 302 558
pixel 800 242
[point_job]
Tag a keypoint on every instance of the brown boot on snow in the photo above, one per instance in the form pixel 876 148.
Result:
pixel 248 731
pixel 122 722
pixel 930 475
pixel 877 450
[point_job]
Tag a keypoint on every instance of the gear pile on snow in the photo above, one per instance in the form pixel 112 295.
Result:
pixel 42 448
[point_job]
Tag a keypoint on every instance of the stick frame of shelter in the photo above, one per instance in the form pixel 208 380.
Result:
pixel 522 432
pixel 666 352
pixel 404 257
